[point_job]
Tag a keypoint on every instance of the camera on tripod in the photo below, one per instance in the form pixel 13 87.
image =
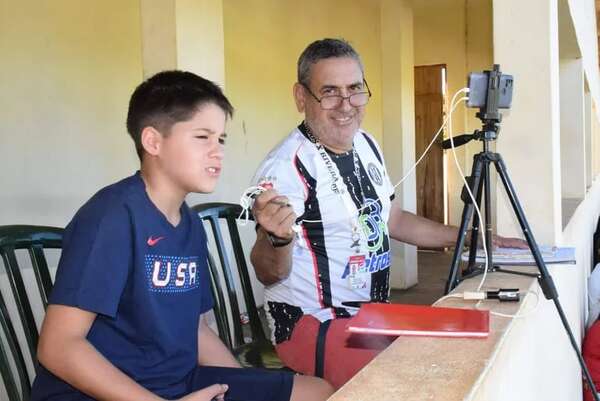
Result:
pixel 490 91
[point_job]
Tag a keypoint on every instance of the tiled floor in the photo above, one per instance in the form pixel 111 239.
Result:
pixel 434 268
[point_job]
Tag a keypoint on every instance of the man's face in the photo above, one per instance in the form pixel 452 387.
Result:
pixel 334 128
pixel 192 154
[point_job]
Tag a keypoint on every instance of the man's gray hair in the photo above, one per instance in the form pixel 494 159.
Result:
pixel 323 49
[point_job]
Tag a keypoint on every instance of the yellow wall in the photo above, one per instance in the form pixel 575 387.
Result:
pixel 68 68
pixel 263 39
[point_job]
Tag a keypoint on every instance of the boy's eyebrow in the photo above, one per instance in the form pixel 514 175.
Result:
pixel 207 130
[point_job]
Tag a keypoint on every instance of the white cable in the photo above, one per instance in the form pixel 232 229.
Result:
pixel 246 200
pixel 462 176
pixel 517 315
pixel 454 295
pixel 453 106
pixel 465 296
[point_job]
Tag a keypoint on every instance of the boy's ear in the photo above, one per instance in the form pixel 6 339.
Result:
pixel 151 140
pixel 299 97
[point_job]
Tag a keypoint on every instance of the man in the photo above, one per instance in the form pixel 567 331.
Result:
pixel 329 177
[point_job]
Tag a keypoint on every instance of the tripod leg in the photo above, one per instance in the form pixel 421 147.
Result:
pixel 453 277
pixel 488 214
pixel 545 280
pixel 474 233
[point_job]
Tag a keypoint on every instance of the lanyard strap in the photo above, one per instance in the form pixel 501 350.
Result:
pixel 339 187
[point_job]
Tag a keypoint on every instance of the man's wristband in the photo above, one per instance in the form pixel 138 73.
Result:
pixel 278 242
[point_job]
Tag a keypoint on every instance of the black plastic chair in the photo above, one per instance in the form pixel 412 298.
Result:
pixel 247 341
pixel 34 239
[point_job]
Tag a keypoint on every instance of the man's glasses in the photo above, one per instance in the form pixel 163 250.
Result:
pixel 329 102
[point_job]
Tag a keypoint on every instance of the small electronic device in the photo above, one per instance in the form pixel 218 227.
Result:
pixel 490 86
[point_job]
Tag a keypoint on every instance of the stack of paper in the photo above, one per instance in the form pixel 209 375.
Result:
pixel 513 256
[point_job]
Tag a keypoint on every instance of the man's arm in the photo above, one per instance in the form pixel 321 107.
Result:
pixel 64 350
pixel 416 230
pixel 274 215
pixel 211 350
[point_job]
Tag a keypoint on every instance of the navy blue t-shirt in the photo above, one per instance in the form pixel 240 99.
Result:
pixel 147 281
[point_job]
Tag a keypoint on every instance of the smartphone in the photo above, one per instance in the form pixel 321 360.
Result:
pixel 479 85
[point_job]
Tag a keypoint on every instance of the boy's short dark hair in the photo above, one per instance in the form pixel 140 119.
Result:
pixel 167 98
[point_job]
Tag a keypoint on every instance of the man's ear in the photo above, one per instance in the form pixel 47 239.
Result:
pixel 151 140
pixel 299 97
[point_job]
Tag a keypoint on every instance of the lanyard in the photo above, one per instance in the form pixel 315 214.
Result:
pixel 340 188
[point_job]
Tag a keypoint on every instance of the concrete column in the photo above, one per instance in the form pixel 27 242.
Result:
pixel 159 47
pixel 184 34
pixel 526 45
pixel 595 133
pixel 200 38
pixel 588 116
pixel 572 129
pixel 397 63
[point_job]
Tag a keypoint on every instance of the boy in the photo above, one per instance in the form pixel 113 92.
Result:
pixel 126 315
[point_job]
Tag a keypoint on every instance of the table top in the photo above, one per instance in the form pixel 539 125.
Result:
pixel 433 368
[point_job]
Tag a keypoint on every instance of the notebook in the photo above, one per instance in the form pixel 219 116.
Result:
pixel 512 256
pixel 419 320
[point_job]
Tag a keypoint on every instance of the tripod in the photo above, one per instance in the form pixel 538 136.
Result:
pixel 480 184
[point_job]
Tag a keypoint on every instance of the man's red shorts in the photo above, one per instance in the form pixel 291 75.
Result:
pixel 345 353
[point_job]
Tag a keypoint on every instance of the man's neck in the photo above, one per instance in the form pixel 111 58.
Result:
pixel 164 195
pixel 337 148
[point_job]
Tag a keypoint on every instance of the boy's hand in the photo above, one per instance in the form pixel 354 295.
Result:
pixel 274 214
pixel 215 392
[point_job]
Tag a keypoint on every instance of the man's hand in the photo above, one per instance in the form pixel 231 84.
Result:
pixel 215 392
pixel 272 262
pixel 504 242
pixel 274 214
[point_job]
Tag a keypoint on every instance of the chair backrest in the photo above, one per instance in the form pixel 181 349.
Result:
pixel 227 306
pixel 34 239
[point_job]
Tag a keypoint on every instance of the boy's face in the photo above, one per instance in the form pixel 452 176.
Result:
pixel 192 154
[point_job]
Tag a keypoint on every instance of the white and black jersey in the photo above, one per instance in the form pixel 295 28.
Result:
pixel 325 266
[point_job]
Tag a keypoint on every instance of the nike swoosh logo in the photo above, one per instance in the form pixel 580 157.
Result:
pixel 153 241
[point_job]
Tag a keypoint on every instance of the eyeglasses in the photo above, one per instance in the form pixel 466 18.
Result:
pixel 329 102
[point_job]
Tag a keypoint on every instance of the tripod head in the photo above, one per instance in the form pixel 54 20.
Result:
pixel 489 91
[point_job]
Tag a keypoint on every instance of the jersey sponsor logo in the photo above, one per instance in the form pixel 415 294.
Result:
pixel 171 274
pixel 375 174
pixel 373 226
pixel 153 241
pixel 372 264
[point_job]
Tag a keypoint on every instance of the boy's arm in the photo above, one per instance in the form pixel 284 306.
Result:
pixel 64 350
pixel 211 350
